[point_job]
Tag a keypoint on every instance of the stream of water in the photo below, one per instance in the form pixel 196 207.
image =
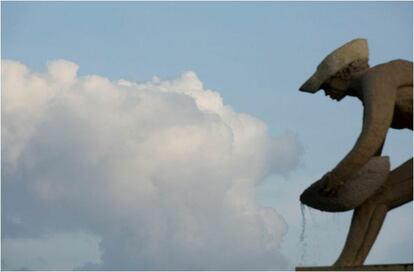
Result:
pixel 302 234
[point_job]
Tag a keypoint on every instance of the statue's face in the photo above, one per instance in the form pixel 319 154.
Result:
pixel 336 88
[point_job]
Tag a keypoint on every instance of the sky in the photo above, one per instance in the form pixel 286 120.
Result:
pixel 172 135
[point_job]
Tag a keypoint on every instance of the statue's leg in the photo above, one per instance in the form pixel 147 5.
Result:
pixel 369 217
pixel 401 189
pixel 375 224
pixel 398 190
pixel 359 227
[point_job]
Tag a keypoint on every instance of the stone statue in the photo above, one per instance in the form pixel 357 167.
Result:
pixel 386 92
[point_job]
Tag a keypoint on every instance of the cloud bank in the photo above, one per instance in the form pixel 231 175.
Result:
pixel 162 172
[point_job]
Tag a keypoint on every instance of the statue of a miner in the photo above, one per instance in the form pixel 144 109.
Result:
pixel 386 92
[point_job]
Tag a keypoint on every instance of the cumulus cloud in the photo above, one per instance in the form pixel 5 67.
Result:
pixel 162 172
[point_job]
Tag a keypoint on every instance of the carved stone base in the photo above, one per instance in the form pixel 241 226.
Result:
pixel 371 267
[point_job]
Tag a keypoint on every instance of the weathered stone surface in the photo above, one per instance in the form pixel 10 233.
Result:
pixel 386 92
pixel 337 60
pixel 355 191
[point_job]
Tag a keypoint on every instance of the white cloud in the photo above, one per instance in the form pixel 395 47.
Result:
pixel 162 172
pixel 50 252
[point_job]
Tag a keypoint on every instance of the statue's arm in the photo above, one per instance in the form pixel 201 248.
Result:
pixel 379 86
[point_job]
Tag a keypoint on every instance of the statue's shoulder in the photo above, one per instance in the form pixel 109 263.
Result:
pixel 396 70
pixel 397 64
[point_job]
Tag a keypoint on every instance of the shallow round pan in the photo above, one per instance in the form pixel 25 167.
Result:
pixel 354 192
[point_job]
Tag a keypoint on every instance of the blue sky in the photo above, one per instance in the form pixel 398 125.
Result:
pixel 255 55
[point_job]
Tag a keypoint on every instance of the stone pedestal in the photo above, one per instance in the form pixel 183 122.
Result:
pixel 371 267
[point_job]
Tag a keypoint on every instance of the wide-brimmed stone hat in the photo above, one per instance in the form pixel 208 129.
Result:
pixel 334 62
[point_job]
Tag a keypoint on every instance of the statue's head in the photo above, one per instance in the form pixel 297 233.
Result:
pixel 335 73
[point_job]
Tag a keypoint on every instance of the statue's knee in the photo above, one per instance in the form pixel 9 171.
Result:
pixel 380 198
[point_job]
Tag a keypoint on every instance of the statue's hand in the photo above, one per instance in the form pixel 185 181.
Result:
pixel 330 184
